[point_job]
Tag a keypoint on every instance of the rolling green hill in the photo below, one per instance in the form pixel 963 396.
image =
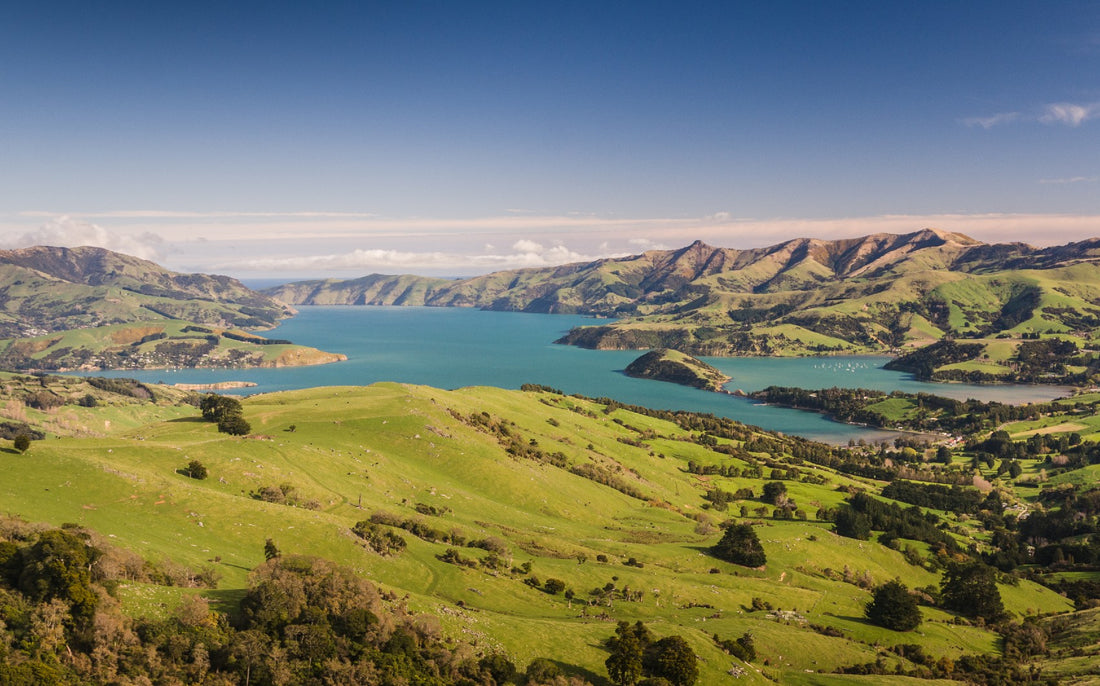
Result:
pixel 494 493
pixel 676 367
pixel 878 293
pixel 63 308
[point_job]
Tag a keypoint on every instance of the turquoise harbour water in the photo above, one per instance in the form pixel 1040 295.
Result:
pixel 456 347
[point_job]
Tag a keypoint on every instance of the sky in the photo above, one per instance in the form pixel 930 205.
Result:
pixel 292 139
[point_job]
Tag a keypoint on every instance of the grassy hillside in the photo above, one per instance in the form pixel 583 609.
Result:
pixel 620 507
pixel 91 308
pixel 155 344
pixel 676 367
pixel 46 289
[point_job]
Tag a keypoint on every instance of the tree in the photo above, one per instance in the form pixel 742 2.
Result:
pixel 943 455
pixel 848 522
pixel 628 645
pixel 57 566
pixel 740 546
pixel 773 490
pixel 541 670
pixel 271 551
pixel 673 659
pixel 893 607
pixel 227 412
pixel 499 667
pixel 235 425
pixel 553 586
pixel 196 470
pixel 21 443
pixel 216 407
pixel 970 589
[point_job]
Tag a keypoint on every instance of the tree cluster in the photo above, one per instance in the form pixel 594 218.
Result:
pixel 635 654
pixel 302 621
pixel 227 412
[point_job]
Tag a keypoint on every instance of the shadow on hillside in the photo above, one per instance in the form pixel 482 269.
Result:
pixel 226 600
pixel 184 420
pixel 10 451
pixel 857 620
pixel 587 674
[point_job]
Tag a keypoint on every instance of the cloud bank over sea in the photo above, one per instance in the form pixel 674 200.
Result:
pixel 305 244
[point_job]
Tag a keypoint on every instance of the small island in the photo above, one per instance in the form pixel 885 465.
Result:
pixel 664 364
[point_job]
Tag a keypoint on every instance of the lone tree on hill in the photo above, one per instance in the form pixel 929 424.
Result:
pixel 196 470
pixel 893 607
pixel 22 443
pixel 740 546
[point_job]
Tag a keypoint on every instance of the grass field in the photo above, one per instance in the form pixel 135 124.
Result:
pixel 350 452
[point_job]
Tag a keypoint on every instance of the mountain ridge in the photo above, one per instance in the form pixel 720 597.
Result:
pixel 100 278
pixel 848 257
pixel 870 294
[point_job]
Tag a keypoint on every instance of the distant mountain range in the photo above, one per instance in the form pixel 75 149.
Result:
pixel 878 293
pixel 882 293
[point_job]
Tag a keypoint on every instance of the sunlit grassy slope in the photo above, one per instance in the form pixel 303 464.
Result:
pixel 351 452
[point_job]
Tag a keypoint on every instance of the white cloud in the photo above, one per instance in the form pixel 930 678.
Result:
pixel 525 253
pixel 354 260
pixel 527 246
pixel 645 244
pixel 67 232
pixel 994 120
pixel 280 247
pixel 1069 113
pixel 1065 113
pixel 175 214
pixel 1072 179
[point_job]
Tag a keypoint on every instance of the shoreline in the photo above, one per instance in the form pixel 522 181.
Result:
pixel 216 386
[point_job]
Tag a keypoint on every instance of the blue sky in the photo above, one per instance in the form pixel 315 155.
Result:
pixel 263 139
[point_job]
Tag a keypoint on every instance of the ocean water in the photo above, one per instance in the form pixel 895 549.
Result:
pixel 457 347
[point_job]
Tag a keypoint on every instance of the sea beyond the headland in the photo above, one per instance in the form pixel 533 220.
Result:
pixel 457 347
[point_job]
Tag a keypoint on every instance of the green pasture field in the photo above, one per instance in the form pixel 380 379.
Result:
pixel 350 452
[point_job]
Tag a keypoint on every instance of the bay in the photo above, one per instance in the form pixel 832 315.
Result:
pixel 457 347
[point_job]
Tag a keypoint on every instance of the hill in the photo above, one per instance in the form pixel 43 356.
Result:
pixel 504 517
pixel 878 293
pixel 66 308
pixel 676 367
